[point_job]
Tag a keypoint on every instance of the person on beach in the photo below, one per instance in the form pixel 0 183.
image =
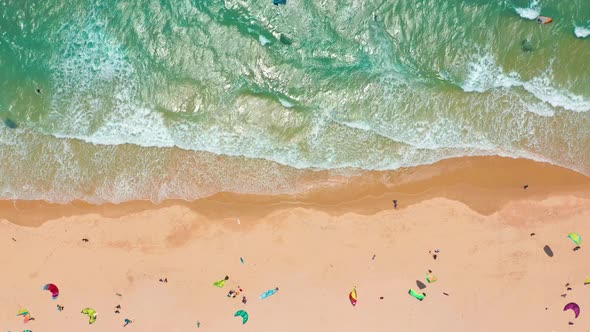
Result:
pixel 395 203
pixel 244 301
pixel 526 186
pixel 127 322
pixel 435 255
pixel 60 308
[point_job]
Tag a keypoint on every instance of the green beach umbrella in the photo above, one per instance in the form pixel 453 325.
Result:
pixel 575 237
pixel 221 283
pixel 419 296
pixel 243 314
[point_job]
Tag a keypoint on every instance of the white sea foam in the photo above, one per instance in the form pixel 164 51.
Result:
pixel 531 12
pixel 582 32
pixel 541 87
pixel 485 74
pixel 286 103
pixel 540 108
pixel 263 40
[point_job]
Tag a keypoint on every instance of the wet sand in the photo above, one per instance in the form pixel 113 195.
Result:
pixel 315 247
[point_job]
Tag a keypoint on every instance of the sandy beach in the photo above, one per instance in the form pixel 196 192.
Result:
pixel 315 247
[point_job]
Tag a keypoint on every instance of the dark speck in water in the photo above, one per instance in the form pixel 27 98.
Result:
pixel 10 124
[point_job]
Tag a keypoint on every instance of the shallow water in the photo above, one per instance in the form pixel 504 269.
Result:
pixel 182 99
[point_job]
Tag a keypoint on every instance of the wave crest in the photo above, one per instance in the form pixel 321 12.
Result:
pixel 531 12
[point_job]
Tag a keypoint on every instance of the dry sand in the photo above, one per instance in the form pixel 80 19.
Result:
pixel 315 248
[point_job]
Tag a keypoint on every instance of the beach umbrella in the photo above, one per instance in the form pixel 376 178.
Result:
pixel 574 307
pixel 575 237
pixel 243 314
pixel 91 313
pixel 268 293
pixel 53 289
pixel 221 283
pixel 353 296
pixel 419 296
pixel 26 315
pixel 431 278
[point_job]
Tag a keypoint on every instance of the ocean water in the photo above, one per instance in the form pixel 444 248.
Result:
pixel 162 99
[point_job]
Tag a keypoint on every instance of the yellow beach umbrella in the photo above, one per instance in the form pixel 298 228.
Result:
pixel 91 313
pixel 575 237
pixel 431 278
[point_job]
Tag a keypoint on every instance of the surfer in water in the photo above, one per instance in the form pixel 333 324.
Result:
pixel 544 19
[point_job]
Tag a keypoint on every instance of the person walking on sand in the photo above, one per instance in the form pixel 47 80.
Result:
pixel 395 203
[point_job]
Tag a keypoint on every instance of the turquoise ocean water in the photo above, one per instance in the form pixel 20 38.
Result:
pixel 161 99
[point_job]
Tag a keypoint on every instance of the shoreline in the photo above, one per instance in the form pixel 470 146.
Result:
pixel 491 234
pixel 484 184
